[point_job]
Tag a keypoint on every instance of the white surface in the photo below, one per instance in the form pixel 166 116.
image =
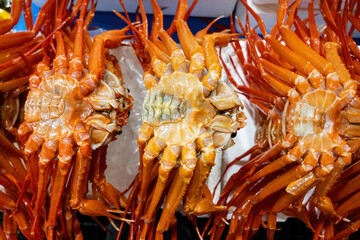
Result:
pixel 123 156
pixel 204 8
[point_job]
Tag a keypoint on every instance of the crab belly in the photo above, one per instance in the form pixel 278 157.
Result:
pixel 46 111
pixel 177 108
pixel 313 120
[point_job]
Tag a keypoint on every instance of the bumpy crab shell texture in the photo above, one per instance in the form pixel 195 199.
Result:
pixel 54 111
pixel 177 109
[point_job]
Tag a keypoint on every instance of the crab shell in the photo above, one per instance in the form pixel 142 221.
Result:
pixel 177 109
pixel 54 110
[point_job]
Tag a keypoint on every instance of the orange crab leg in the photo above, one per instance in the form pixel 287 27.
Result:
pixel 22 220
pixel 300 63
pixel 107 191
pixel 6 202
pixel 75 66
pixel 177 58
pixel 152 150
pixel 7 24
pixel 157 24
pixel 191 48
pixel 294 154
pixel 167 163
pixel 19 65
pixel 301 48
pixel 307 182
pixel 82 164
pixel 250 167
pixel 322 202
pixel 194 202
pixel 286 75
pixel 301 30
pixel 90 15
pixel 43 14
pixel 211 58
pixel 345 233
pixel 314 33
pixel 43 175
pixel 346 190
pixel 180 14
pixel 287 142
pixel 348 206
pixel 14 52
pixel 267 111
pixel 159 58
pixel 178 186
pixel 66 153
pixel 257 17
pixel 344 76
pixel 110 39
pixel 12 84
pixel 10 226
pixel 28 14
pixel 281 88
pixel 287 178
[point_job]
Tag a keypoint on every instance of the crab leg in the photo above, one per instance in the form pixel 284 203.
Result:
pixel 307 182
pixel 177 58
pixel 12 40
pixel 167 163
pixel 44 12
pixel 159 59
pixel 107 191
pixel 345 233
pixel 250 167
pixel 28 14
pixel 289 178
pixel 180 14
pixel 194 202
pixel 191 48
pixel 22 220
pixel 157 24
pixel 152 150
pixel 294 154
pixel 145 133
pixel 47 154
pixel 322 202
pixel 111 39
pixel 297 61
pixel 79 176
pixel 211 58
pixel 7 24
pixel 66 153
pixel 178 186
pixel 347 207
pixel 347 189
pixel 286 75
pixel 326 68
pixel 344 76
pixel 10 226
pixel 18 64
pixel 75 65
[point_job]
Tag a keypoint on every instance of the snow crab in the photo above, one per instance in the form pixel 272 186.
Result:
pixel 189 112
pixel 309 127
pixel 74 107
